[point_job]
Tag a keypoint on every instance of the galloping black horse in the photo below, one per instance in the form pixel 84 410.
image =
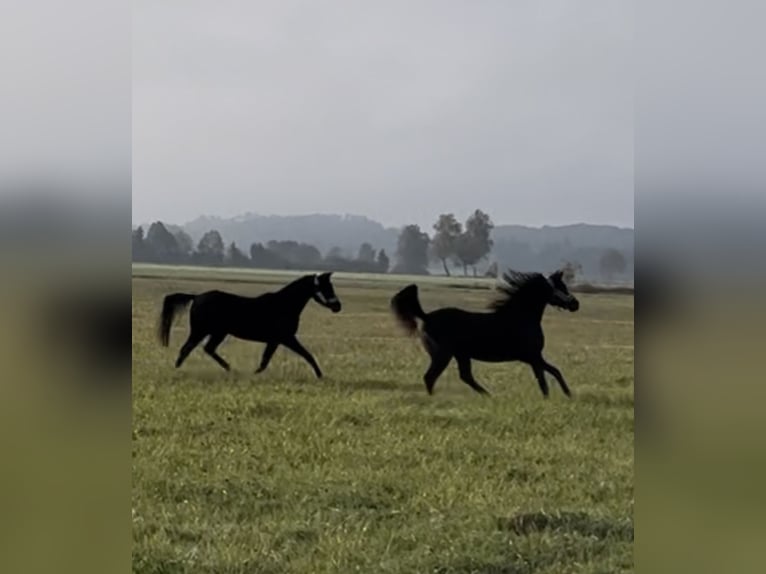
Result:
pixel 271 318
pixel 511 332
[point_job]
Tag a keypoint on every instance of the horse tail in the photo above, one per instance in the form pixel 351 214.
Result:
pixel 406 307
pixel 171 305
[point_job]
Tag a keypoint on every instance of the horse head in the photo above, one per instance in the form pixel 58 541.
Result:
pixel 560 295
pixel 324 294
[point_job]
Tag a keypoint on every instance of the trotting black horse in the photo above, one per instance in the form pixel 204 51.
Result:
pixel 271 318
pixel 512 331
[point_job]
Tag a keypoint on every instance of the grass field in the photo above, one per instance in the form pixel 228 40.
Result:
pixel 362 471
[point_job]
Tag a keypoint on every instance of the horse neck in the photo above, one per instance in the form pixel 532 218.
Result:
pixel 298 292
pixel 530 310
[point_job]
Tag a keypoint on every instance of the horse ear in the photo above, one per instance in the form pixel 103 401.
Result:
pixel 558 274
pixel 327 275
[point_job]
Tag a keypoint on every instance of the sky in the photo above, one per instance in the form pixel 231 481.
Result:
pixel 395 110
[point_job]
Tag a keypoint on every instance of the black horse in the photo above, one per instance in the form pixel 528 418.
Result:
pixel 511 332
pixel 271 318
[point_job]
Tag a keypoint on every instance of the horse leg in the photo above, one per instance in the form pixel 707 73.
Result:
pixel 464 366
pixel 539 371
pixel 294 345
pixel 212 345
pixel 192 341
pixel 558 376
pixel 268 352
pixel 439 362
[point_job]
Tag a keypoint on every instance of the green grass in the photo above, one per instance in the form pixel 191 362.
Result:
pixel 362 471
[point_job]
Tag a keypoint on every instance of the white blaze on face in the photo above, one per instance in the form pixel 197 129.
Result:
pixel 318 292
pixel 321 296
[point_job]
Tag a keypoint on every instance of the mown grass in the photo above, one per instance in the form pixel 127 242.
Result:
pixel 362 471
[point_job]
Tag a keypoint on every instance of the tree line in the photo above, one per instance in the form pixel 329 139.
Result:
pixel 452 245
pixel 161 244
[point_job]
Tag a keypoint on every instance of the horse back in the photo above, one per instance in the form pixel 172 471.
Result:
pixel 221 300
pixel 258 318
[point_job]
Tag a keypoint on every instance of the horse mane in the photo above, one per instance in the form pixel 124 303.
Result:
pixel 514 286
pixel 296 282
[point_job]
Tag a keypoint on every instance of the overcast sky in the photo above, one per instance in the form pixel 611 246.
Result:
pixel 397 110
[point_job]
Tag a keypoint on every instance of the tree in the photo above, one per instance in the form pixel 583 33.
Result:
pixel 235 257
pixel 161 245
pixel 412 251
pixel 366 253
pixel 298 255
pixel 185 243
pixel 138 248
pixel 444 243
pixel 570 269
pixel 383 261
pixel 334 253
pixel 264 258
pixel 492 270
pixel 612 261
pixel 210 249
pixel 474 243
pixel 307 256
pixel 259 255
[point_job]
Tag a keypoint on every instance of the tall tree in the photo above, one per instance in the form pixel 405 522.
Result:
pixel 264 258
pixel 210 249
pixel 412 251
pixel 612 261
pixel 138 248
pixel 259 255
pixel 297 255
pixel 235 257
pixel 383 261
pixel 161 244
pixel 366 253
pixel 334 253
pixel 475 242
pixel 444 242
pixel 185 243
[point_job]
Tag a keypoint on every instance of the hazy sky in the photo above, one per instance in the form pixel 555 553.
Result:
pixel 398 110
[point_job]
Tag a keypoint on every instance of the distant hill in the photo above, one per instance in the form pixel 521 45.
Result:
pixel 579 235
pixel 545 248
pixel 526 248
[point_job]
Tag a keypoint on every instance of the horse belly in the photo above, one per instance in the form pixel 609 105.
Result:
pixel 495 355
pixel 265 330
pixel 261 333
pixel 500 350
pixel 250 336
